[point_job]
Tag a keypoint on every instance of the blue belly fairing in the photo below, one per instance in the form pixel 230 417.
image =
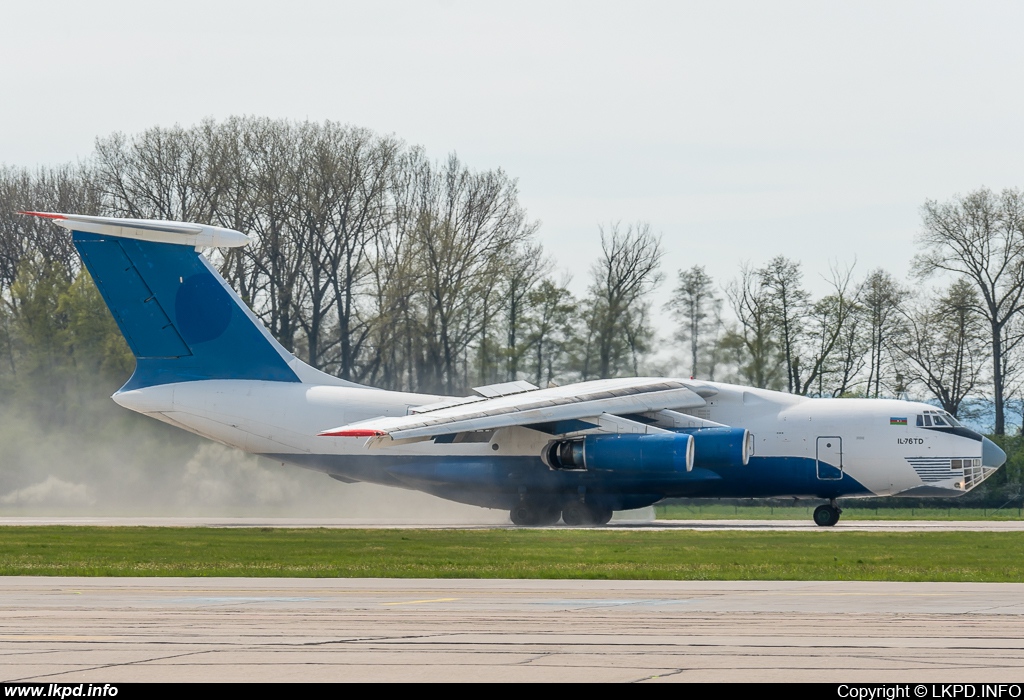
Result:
pixel 501 482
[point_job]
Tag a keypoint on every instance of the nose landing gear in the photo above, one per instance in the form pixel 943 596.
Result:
pixel 827 515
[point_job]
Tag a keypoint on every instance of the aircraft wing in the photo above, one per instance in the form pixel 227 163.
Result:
pixel 556 410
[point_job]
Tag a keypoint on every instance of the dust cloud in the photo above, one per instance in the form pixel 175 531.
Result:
pixel 51 492
pixel 109 462
pixel 115 463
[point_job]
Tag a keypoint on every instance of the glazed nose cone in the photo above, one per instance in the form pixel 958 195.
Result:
pixel 991 454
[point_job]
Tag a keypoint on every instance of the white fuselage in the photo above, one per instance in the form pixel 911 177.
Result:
pixel 874 441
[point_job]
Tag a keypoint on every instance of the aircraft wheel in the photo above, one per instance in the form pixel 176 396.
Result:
pixel 576 514
pixel 579 514
pixel 524 515
pixel 826 516
pixel 529 514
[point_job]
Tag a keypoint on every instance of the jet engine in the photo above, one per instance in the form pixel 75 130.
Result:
pixel 636 455
pixel 721 447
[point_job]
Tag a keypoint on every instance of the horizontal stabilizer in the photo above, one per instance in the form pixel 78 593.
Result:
pixel 176 232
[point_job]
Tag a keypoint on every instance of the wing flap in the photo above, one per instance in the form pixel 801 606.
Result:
pixel 671 419
pixel 620 425
pixel 504 389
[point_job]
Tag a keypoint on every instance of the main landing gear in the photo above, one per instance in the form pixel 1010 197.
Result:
pixel 533 514
pixel 573 513
pixel 828 515
pixel 577 513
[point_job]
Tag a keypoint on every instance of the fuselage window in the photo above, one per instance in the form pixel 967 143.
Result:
pixel 927 421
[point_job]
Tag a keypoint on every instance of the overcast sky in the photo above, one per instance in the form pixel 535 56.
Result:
pixel 739 130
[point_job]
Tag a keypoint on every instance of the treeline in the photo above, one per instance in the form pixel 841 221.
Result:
pixel 370 260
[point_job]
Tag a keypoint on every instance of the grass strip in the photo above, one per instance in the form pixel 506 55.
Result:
pixel 554 553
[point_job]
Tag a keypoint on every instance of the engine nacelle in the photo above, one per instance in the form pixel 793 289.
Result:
pixel 658 454
pixel 721 447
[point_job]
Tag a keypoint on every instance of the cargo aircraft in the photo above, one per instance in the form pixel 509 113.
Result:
pixel 206 364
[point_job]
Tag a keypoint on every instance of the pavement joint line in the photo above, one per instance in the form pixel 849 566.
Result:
pixel 58 638
pixel 419 602
pixel 536 657
pixel 359 640
pixel 672 672
pixel 29 679
pixel 697 645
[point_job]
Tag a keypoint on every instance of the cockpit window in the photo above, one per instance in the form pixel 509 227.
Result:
pixel 937 418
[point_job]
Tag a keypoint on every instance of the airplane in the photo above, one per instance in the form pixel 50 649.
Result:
pixel 575 453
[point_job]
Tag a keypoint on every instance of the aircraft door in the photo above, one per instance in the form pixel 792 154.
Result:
pixel 830 458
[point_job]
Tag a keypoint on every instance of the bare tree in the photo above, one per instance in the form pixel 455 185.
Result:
pixel 782 278
pixel 391 347
pixel 551 312
pixel 943 344
pixel 343 205
pixel 279 253
pixel 880 298
pixel 848 359
pixel 696 306
pixel 160 173
pixel 981 237
pixel 828 328
pixel 1013 358
pixel 61 189
pixel 626 272
pixel 526 267
pixel 468 225
pixel 753 345
pixel 639 334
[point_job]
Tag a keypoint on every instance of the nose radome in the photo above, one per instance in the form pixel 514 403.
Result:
pixel 991 454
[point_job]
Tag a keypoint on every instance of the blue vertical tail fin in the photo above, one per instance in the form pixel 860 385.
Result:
pixel 181 320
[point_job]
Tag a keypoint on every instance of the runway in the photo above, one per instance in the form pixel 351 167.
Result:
pixel 496 520
pixel 153 629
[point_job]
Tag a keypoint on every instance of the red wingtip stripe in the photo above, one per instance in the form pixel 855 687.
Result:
pixel 43 214
pixel 353 432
